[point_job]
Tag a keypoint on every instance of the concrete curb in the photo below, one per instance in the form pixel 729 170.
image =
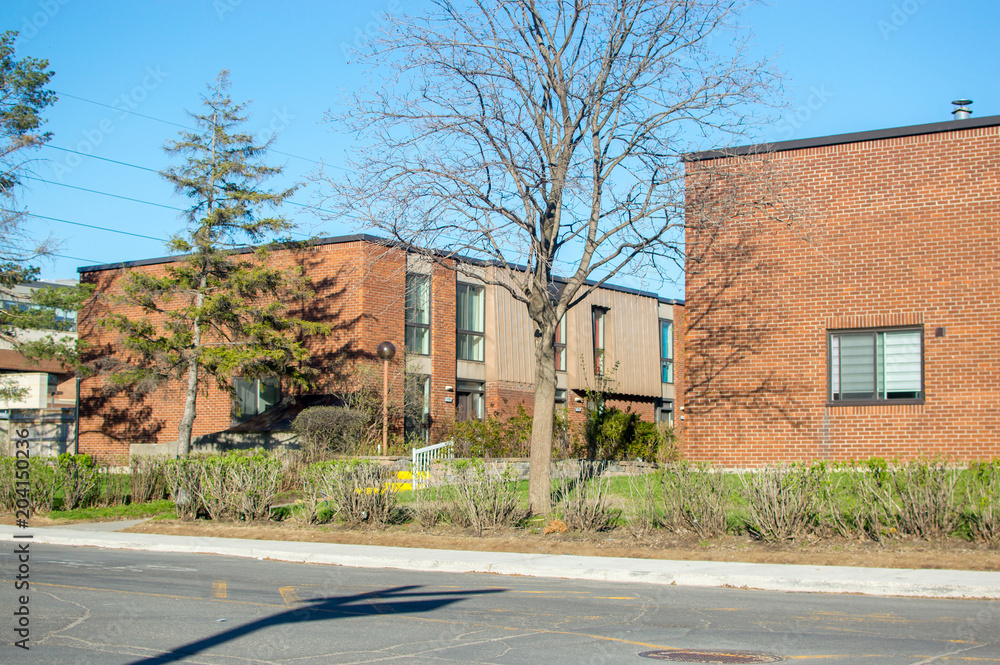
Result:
pixel 823 579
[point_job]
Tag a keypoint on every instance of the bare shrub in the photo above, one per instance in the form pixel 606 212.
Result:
pixel 484 498
pixel 148 478
pixel 927 502
pixel 783 502
pixel 115 484
pixel 358 492
pixel 695 498
pixel 183 477
pixel 324 430
pixel 77 476
pixel 8 484
pixel 876 512
pixel 252 481
pixel 983 492
pixel 427 506
pixel 641 513
pixel 584 502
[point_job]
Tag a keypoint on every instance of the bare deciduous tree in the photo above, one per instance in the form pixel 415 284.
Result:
pixel 545 137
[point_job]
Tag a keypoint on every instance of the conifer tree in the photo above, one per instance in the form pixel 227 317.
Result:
pixel 220 311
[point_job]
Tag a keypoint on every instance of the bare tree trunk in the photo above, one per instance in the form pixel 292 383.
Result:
pixel 539 485
pixel 186 425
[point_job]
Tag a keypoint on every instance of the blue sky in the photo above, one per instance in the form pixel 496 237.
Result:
pixel 850 65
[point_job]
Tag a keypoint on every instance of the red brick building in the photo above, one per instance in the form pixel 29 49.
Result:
pixel 863 320
pixel 470 346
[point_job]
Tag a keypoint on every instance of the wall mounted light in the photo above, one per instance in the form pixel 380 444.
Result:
pixel 449 389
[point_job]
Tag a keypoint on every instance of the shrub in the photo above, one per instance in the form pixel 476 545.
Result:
pixel 356 491
pixel 331 429
pixel 148 480
pixel 484 498
pixel 241 484
pixel 643 515
pixel 183 477
pixel 695 498
pixel 77 476
pixel 615 435
pixel 983 492
pixel 881 501
pixel 493 437
pixel 8 486
pixel 583 500
pixel 783 502
pixel 115 486
pixel 927 501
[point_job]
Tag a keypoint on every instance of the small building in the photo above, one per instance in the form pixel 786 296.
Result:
pixel 469 346
pixel 865 321
pixel 46 404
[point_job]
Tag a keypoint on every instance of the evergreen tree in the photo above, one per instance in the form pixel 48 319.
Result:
pixel 220 311
pixel 23 97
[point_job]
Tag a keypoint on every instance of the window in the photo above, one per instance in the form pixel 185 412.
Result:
pixel 562 396
pixel 418 314
pixel 666 351
pixel 417 407
pixel 876 365
pixel 471 402
pixel 470 322
pixel 665 414
pixel 254 397
pixel 560 346
pixel 598 316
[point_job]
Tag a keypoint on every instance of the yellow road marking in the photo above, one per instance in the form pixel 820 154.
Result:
pixel 218 589
pixel 615 598
pixel 289 595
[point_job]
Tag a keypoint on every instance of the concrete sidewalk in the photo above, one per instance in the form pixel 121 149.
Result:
pixel 827 579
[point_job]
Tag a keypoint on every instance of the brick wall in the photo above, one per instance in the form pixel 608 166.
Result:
pixel 891 232
pixel 338 275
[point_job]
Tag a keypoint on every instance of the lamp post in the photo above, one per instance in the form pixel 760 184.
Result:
pixel 386 351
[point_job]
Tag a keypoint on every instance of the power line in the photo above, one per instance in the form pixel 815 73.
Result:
pixel 144 168
pixel 99 228
pixel 103 159
pixel 190 129
pixel 74 258
pixel 94 191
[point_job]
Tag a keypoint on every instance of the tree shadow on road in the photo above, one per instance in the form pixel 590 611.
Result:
pixel 394 600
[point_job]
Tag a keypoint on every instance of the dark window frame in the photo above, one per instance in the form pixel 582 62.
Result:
pixel 430 315
pixel 466 389
pixel 474 333
pixel 237 411
pixel 600 352
pixel 559 348
pixel 666 361
pixel 876 401
pixel 421 426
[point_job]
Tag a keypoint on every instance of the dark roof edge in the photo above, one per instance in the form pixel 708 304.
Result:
pixel 334 240
pixel 357 237
pixel 840 139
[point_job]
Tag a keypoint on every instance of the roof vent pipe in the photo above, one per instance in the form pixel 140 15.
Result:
pixel 962 112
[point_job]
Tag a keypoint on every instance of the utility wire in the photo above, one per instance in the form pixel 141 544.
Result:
pixel 99 228
pixel 74 258
pixel 145 168
pixel 103 159
pixel 190 129
pixel 94 191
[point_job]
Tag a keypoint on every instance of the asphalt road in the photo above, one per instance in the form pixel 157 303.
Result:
pixel 96 606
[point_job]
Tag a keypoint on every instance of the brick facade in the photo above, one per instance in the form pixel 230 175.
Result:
pixel 893 230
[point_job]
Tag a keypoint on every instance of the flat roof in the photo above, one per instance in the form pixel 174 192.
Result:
pixel 840 139
pixel 357 237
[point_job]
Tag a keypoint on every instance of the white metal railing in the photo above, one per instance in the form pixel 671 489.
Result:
pixel 422 458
